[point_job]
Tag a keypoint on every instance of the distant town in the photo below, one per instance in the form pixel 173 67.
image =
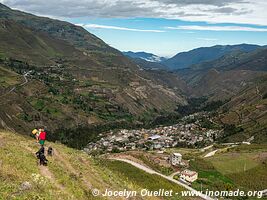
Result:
pixel 181 134
pixel 188 132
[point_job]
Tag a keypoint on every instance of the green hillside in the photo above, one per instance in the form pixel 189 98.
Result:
pixel 242 167
pixel 70 174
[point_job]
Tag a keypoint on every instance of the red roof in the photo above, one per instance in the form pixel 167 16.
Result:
pixel 188 173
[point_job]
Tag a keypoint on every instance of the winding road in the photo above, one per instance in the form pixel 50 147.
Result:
pixel 151 171
pixel 22 84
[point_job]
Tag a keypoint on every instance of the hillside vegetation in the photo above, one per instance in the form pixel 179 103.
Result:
pixel 242 167
pixel 248 109
pixel 58 75
pixel 73 79
pixel 70 174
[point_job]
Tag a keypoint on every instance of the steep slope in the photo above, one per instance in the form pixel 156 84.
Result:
pixel 169 80
pixel 220 85
pixel 255 61
pixel 70 174
pixel 203 54
pixel 248 109
pixel 73 77
pixel 239 80
pixel 226 76
pixel 75 35
pixel 18 41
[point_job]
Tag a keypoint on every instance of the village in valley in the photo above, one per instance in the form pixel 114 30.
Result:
pixel 182 134
pixel 189 132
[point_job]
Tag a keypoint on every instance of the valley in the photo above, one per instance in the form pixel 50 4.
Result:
pixel 90 85
pixel 127 121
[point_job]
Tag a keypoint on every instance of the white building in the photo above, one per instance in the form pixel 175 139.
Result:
pixel 176 158
pixel 154 137
pixel 189 176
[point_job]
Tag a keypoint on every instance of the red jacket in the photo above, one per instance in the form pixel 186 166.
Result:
pixel 42 135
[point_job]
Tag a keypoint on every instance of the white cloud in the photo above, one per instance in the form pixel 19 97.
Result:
pixel 212 11
pixel 208 39
pixel 98 26
pixel 219 28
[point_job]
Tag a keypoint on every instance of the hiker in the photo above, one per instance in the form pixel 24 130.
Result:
pixel 41 156
pixel 50 151
pixel 42 137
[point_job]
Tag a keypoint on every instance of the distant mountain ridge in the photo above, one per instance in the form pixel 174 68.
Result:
pixel 255 61
pixel 223 77
pixel 204 54
pixel 145 56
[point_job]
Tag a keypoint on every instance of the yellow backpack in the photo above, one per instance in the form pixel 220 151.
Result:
pixel 34 131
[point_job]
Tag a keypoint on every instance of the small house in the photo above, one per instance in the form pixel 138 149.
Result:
pixel 189 176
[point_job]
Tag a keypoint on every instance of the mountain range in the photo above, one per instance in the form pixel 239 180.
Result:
pixel 58 75
pixel 73 78
pixel 204 54
pixel 193 58
pixel 208 104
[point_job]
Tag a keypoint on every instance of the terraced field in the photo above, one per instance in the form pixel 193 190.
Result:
pixel 243 167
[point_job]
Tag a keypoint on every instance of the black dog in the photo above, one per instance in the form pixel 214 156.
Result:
pixel 50 151
pixel 41 156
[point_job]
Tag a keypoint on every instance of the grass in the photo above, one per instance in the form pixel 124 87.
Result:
pixel 234 162
pixel 255 148
pixel 245 165
pixel 47 107
pixel 54 112
pixel 209 177
pixel 241 167
pixel 139 178
pixel 187 153
pixel 162 169
pixel 38 104
pixel 18 166
pixel 254 179
pixel 2 55
pixel 73 173
pixel 8 78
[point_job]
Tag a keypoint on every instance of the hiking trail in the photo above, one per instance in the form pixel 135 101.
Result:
pixel 70 168
pixel 44 171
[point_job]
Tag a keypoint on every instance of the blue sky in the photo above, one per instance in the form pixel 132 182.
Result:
pixel 165 41
pixel 162 27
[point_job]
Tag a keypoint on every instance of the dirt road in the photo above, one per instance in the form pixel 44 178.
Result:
pixel 151 171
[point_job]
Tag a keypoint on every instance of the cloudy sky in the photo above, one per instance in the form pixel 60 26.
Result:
pixel 163 27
